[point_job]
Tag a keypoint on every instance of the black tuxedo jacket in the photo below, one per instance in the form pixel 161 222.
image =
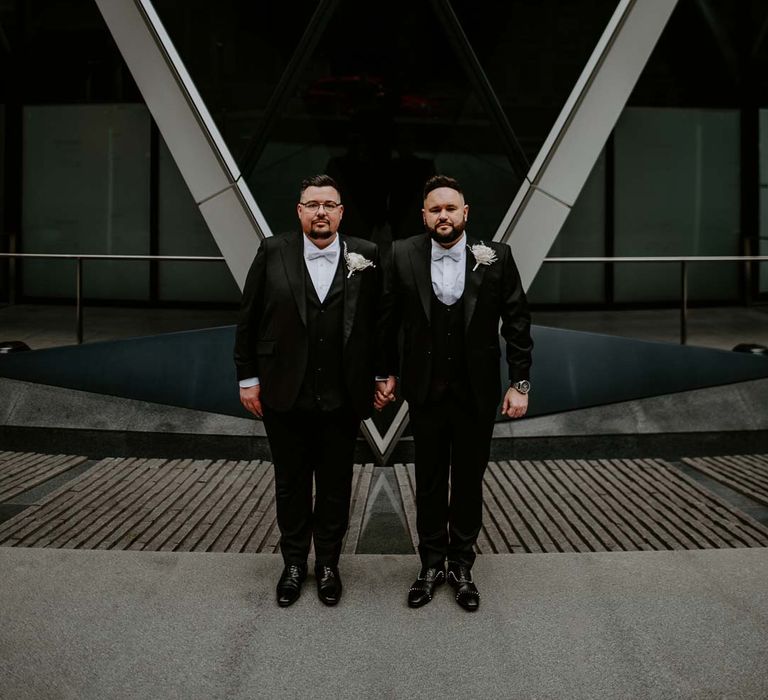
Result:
pixel 272 342
pixel 492 293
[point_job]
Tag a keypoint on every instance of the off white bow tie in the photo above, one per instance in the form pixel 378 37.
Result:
pixel 329 255
pixel 438 255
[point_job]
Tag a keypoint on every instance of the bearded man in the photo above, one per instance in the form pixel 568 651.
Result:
pixel 447 293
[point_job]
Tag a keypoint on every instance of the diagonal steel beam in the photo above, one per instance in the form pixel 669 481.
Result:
pixel 189 131
pixel 564 162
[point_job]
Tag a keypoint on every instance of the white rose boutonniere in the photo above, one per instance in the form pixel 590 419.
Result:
pixel 484 255
pixel 355 262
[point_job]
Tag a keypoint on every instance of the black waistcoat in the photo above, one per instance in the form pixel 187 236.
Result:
pixel 449 355
pixel 323 385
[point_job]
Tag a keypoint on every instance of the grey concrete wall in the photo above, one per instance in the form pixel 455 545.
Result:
pixel 733 407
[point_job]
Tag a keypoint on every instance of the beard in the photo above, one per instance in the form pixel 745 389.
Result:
pixel 321 235
pixel 449 237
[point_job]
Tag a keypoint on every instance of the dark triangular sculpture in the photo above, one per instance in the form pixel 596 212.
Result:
pixel 194 369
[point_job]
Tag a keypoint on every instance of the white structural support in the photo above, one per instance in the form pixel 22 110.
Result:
pixel 564 162
pixel 190 133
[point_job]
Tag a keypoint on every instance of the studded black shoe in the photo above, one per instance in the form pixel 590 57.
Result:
pixel 422 589
pixel 460 578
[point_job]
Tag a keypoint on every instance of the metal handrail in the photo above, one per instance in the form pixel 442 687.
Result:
pixel 77 256
pixel 79 272
pixel 683 260
pixel 665 258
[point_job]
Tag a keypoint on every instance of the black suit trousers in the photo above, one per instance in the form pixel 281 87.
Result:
pixel 450 439
pixel 307 444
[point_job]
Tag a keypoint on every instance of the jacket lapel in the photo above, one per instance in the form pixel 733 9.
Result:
pixel 351 288
pixel 472 282
pixel 421 264
pixel 293 261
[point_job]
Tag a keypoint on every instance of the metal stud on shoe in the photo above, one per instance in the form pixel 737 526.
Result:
pixel 420 592
pixel 460 578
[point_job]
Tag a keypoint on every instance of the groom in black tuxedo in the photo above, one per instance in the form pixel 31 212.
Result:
pixel 304 357
pixel 448 292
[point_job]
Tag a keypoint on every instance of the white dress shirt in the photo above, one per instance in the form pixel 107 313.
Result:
pixel 448 268
pixel 321 264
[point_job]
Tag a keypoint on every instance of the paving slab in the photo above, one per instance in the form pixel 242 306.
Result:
pixel 91 624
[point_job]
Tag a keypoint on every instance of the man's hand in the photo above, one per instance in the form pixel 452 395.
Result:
pixel 515 404
pixel 385 393
pixel 250 398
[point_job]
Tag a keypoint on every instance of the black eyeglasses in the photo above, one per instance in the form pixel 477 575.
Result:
pixel 314 206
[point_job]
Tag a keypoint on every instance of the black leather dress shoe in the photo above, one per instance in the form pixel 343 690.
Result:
pixel 328 584
pixel 289 585
pixel 420 592
pixel 460 578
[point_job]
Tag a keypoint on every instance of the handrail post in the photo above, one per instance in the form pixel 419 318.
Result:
pixel 683 302
pixel 79 300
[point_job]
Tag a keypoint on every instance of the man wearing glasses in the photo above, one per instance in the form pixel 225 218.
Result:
pixel 304 356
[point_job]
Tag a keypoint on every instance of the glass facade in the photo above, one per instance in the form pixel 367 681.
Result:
pixel 676 193
pixel 381 103
pixel 86 190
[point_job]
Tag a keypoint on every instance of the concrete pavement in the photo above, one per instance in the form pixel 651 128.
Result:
pixel 95 624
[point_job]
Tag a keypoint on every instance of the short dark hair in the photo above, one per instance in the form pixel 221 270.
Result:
pixel 318 181
pixel 442 181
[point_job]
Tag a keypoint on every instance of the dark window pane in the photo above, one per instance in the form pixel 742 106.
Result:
pixel 67 55
pixel 532 54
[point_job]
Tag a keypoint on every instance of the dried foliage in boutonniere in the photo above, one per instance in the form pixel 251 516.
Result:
pixel 355 262
pixel 483 255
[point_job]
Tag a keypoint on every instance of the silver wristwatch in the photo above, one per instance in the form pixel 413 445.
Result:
pixel 523 386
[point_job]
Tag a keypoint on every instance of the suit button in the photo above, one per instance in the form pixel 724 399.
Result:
pixel 321 340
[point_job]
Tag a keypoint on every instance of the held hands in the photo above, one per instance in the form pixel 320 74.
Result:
pixel 385 393
pixel 251 399
pixel 515 404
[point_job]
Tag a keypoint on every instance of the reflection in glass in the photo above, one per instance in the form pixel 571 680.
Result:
pixel 380 102
pixel 381 107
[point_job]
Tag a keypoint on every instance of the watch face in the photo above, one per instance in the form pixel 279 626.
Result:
pixel 523 386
